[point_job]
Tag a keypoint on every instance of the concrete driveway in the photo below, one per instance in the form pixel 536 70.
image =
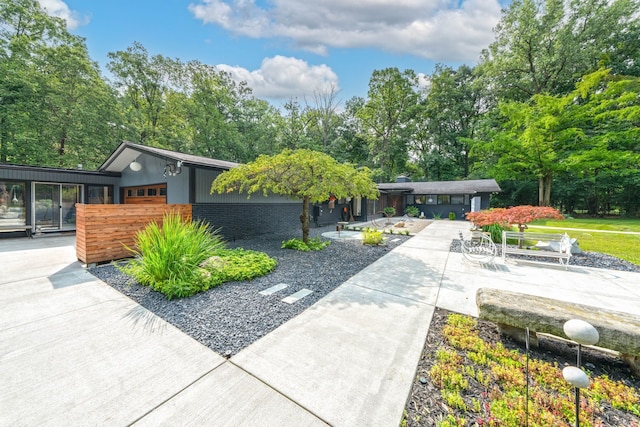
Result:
pixel 73 351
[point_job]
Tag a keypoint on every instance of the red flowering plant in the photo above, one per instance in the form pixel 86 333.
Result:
pixel 519 216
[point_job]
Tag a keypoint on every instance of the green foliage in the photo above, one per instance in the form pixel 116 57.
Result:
pixel 623 246
pixel 389 211
pixel 371 236
pixel 466 358
pixel 452 216
pixel 495 230
pixel 307 175
pixel 237 265
pixel 315 244
pixel 168 257
pixel 386 119
pixel 412 211
pixel 436 215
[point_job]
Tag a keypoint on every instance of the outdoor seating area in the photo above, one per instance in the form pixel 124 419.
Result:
pixel 537 245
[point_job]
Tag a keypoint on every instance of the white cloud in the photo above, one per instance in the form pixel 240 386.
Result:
pixel 442 30
pixel 284 77
pixel 59 9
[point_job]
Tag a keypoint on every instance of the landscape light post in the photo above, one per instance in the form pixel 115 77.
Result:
pixel 582 333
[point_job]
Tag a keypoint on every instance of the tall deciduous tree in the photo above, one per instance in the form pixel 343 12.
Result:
pixel 307 175
pixel 452 109
pixel 589 133
pixel 545 46
pixel 324 118
pixel 55 109
pixel 387 118
pixel 145 82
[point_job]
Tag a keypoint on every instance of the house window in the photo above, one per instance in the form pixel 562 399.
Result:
pixel 432 199
pixel 410 199
pixel 155 193
pixel 12 203
pixel 457 199
pixel 444 199
pixel 420 199
pixel 100 194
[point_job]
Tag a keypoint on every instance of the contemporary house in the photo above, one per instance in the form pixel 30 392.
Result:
pixel 41 200
pixel 439 198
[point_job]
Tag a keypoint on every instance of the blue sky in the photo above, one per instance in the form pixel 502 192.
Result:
pixel 290 48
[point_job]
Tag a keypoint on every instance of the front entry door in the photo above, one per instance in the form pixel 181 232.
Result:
pixel 55 206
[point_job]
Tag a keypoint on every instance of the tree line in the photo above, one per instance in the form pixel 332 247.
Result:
pixel 551 109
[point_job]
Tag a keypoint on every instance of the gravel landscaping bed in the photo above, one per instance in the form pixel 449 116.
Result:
pixel 233 315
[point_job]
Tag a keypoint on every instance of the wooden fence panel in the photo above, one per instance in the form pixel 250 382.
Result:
pixel 102 231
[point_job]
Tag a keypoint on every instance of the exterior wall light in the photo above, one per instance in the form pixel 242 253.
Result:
pixel 135 166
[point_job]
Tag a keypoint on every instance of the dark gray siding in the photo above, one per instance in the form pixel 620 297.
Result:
pixel 10 172
pixel 237 221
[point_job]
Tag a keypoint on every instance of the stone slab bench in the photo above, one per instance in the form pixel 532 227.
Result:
pixel 545 245
pixel 514 312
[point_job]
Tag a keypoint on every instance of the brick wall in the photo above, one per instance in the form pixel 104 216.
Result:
pixel 243 220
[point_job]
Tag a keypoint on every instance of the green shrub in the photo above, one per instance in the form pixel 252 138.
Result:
pixel 412 211
pixel 389 211
pixel 315 244
pixel 436 215
pixel 236 265
pixel 372 236
pixel 167 257
pixel 452 216
pixel 495 230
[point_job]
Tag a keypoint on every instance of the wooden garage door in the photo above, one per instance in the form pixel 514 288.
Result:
pixel 146 194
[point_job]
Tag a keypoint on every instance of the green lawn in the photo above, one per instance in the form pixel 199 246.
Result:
pixel 625 246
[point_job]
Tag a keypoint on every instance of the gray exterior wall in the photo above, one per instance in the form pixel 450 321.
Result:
pixel 204 178
pixel 152 172
pixel 25 173
pixel 239 217
pixel 443 210
pixel 239 221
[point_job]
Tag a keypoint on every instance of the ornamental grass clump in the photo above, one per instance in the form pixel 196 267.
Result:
pixel 168 257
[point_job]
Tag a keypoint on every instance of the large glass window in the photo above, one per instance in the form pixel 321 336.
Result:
pixel 444 199
pixel 100 194
pixel 457 199
pixel 12 203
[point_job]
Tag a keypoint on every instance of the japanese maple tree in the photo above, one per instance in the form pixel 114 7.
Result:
pixel 519 216
pixel 306 175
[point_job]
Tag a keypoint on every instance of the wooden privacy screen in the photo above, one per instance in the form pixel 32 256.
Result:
pixel 103 230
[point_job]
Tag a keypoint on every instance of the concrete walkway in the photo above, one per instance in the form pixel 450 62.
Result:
pixel 73 351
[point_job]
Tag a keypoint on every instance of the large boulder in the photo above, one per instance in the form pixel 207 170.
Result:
pixel 514 312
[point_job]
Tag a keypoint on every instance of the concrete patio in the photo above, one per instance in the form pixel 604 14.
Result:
pixel 73 351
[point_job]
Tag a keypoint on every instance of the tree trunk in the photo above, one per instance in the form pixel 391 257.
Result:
pixel 304 219
pixel 541 191
pixel 544 190
pixel 547 190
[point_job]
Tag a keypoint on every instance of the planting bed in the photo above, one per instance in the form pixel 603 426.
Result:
pixel 427 407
